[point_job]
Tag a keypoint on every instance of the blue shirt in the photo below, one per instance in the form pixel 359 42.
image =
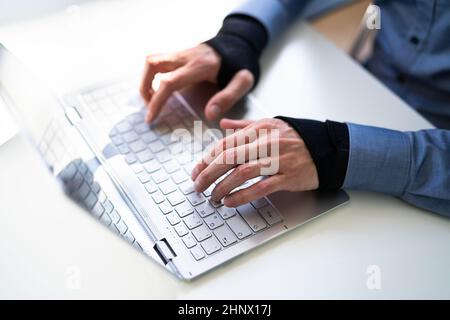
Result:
pixel 412 57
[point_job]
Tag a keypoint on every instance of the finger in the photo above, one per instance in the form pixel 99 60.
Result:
pixel 179 78
pixel 229 159
pixel 258 190
pixel 156 64
pixel 234 124
pixel 222 101
pixel 236 178
pixel 236 139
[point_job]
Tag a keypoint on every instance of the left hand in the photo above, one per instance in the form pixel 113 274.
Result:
pixel 287 162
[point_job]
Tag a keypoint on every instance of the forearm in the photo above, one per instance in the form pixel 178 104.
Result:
pixel 414 166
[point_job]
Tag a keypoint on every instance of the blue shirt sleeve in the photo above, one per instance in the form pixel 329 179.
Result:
pixel 277 15
pixel 414 166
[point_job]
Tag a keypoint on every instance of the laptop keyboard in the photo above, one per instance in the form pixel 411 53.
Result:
pixel 163 163
pixel 79 184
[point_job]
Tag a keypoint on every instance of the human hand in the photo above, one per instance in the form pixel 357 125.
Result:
pixel 241 153
pixel 188 67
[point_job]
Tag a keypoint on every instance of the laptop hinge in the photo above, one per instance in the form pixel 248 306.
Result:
pixel 164 250
pixel 73 115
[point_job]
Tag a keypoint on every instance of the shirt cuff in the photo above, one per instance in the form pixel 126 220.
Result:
pixel 328 144
pixel 379 160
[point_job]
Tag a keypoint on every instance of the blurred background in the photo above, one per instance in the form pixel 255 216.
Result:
pixel 340 27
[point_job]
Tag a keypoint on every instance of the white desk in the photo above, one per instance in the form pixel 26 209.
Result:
pixel 45 241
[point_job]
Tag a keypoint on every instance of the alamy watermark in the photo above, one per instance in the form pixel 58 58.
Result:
pixel 373 17
pixel 373 281
pixel 237 147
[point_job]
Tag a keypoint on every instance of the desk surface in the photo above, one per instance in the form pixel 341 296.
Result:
pixel 50 249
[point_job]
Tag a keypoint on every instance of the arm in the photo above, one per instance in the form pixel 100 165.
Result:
pixel 277 15
pixel 414 166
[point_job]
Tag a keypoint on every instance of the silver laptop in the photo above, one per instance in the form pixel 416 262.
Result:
pixel 135 178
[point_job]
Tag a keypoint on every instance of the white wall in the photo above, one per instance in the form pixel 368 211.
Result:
pixel 11 10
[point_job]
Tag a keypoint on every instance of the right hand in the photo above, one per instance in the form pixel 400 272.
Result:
pixel 188 67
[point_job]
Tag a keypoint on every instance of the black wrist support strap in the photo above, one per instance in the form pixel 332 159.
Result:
pixel 328 144
pixel 240 43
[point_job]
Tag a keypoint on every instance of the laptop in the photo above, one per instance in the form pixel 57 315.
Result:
pixel 134 177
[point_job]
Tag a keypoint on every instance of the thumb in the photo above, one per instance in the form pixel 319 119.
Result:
pixel 222 101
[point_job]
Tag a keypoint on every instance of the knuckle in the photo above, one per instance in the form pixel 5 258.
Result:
pixel 244 170
pixel 226 98
pixel 168 83
pixel 246 76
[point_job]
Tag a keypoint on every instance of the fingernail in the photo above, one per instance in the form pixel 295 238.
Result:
pixel 215 109
pixel 148 117
pixel 197 186
pixel 194 174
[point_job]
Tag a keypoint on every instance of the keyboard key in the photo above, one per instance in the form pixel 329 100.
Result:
pixel 149 137
pixel 239 227
pixel 142 128
pixel 201 233
pixel 143 177
pixel 144 156
pixel 187 187
pixel 130 136
pixel 117 140
pixel 115 217
pixel 137 146
pixel 189 241
pixel 225 236
pixel 152 166
pixel 161 128
pixel 197 253
pixel 156 146
pixel 123 126
pixel 192 221
pixel 176 148
pixel 213 221
pixel 216 204
pixel 163 156
pixel 90 201
pixel 108 206
pixel 135 118
pixel 175 198
pixel 130 158
pixel 159 176
pixel 270 214
pixel 137 167
pixel 179 177
pixel 252 217
pixel 122 227
pixel 167 187
pixel 184 209
pixel 226 212
pixel 260 203
pixel 105 219
pixel 211 245
pixel 123 149
pixel 158 197
pixel 165 208
pixel 168 139
pixel 181 229
pixel 151 187
pixel 83 191
pixel 97 210
pixel 173 218
pixel 196 198
pixel 129 236
pixel 208 191
pixel 171 166
pixel 205 209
